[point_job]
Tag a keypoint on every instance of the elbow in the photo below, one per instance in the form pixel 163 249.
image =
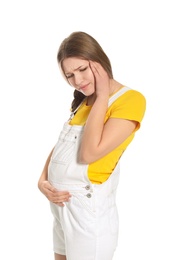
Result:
pixel 85 158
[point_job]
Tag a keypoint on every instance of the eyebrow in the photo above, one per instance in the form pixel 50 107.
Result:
pixel 74 69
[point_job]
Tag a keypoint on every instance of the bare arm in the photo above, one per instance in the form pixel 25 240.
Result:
pixel 98 138
pixel 48 190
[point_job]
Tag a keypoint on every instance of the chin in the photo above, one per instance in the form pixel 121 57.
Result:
pixel 88 93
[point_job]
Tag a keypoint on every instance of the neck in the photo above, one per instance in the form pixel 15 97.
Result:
pixel 114 87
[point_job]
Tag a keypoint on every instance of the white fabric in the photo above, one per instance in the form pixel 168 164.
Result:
pixel 86 228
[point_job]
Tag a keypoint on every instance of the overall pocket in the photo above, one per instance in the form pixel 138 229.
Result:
pixel 63 152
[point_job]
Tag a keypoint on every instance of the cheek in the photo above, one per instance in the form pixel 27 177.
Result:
pixel 71 83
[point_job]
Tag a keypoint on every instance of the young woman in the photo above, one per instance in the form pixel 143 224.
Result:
pixel 80 176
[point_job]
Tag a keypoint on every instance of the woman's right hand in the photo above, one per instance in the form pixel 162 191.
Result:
pixel 52 194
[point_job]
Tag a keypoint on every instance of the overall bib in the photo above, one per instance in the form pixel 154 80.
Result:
pixel 86 228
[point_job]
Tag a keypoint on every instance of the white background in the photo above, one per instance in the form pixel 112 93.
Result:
pixel 140 38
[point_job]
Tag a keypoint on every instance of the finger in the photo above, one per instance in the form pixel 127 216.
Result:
pixel 97 68
pixel 62 197
pixel 48 186
pixel 60 204
pixel 58 199
pixel 63 193
pixel 93 67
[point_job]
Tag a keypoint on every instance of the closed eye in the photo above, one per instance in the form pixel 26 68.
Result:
pixel 69 76
pixel 83 69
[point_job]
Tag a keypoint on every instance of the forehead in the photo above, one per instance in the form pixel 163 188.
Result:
pixel 73 63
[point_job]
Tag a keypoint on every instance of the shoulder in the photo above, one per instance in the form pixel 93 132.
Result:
pixel 130 97
pixel 131 105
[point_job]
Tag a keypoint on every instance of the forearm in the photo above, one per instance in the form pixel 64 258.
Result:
pixel 93 129
pixel 44 174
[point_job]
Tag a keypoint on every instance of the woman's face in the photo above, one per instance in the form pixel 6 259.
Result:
pixel 79 75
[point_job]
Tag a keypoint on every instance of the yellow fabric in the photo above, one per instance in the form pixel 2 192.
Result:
pixel 131 105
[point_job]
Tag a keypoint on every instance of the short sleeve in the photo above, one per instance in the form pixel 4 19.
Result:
pixel 131 106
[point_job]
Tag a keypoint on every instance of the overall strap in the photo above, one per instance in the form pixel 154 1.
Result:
pixel 111 99
pixel 73 113
pixel 118 94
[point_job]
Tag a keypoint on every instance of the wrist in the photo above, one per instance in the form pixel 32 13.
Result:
pixel 103 97
pixel 40 184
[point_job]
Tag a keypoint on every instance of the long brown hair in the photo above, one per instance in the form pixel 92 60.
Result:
pixel 81 44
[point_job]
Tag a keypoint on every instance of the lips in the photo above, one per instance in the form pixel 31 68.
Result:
pixel 83 87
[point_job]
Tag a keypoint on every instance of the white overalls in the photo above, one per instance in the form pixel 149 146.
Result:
pixel 86 228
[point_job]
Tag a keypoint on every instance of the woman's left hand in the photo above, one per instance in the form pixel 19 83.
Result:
pixel 102 80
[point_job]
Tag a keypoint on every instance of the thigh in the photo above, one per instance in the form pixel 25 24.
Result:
pixel 58 233
pixel 59 257
pixel 106 246
pixel 92 238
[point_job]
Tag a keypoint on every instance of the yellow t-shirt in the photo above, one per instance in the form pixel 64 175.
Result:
pixel 131 105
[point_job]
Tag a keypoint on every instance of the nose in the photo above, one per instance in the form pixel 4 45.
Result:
pixel 78 79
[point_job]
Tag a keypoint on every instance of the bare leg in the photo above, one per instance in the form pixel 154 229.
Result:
pixel 59 257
